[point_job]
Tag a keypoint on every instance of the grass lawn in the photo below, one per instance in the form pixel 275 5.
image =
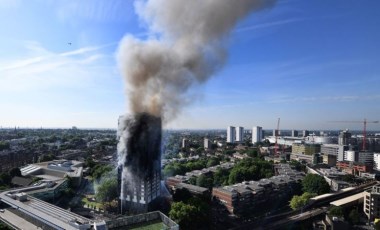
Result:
pixel 150 226
pixel 91 203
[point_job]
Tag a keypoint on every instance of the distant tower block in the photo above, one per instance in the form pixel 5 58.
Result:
pixel 140 176
pixel 294 133
pixel 231 134
pixel 206 143
pixel 239 134
pixel 185 143
pixel 257 134
pixel 344 137
pixel 305 133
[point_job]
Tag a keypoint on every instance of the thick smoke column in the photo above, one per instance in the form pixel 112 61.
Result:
pixel 188 48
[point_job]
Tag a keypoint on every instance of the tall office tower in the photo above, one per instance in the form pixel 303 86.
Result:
pixel 139 167
pixel 239 134
pixel 231 134
pixel 305 133
pixel 185 143
pixel 206 143
pixel 344 137
pixel 257 134
pixel 294 133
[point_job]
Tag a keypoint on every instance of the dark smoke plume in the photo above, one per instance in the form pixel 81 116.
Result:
pixel 188 47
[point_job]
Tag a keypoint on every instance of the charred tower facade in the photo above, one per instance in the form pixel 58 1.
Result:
pixel 139 170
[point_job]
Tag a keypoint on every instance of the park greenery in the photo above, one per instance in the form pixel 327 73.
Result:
pixel 335 211
pixel 298 202
pixel 313 183
pixel 190 214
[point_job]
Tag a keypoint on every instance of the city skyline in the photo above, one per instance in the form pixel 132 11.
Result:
pixel 306 62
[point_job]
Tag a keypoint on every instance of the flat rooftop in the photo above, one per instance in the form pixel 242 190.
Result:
pixel 345 201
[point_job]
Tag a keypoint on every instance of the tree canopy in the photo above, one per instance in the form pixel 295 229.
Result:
pixel 313 183
pixel 300 201
pixel 335 211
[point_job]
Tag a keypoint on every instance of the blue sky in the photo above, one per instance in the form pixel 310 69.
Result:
pixel 307 62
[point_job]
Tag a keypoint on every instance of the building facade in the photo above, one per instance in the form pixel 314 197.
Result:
pixel 371 205
pixel 231 131
pixel 257 134
pixel 239 134
pixel 306 148
pixel 376 161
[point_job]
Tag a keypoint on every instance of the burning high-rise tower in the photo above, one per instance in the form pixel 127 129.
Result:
pixel 139 171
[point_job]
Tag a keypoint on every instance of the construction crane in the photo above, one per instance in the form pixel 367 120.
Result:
pixel 276 136
pixel 364 122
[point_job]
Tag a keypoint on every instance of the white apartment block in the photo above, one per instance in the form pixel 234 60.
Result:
pixel 239 134
pixel 257 134
pixel 349 155
pixel 231 131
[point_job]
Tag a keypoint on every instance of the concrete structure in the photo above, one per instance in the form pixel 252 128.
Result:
pixel 366 158
pixel 239 134
pixel 185 143
pixel 350 155
pixel 139 171
pixel 353 167
pixel 342 149
pixel 305 133
pixel 231 131
pixel 257 134
pixel 330 149
pixel 329 160
pixel 372 203
pixel 206 143
pixel 376 160
pixel 306 148
pixel 344 137
pixel 294 133
pixel 246 197
pixel 133 222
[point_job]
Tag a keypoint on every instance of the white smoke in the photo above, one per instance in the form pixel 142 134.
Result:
pixel 189 47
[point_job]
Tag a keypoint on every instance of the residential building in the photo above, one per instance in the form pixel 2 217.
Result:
pixel 206 143
pixel 294 133
pixel 306 148
pixel 344 137
pixel 185 143
pixel 342 149
pixel 257 134
pixel 239 134
pixel 350 155
pixel 372 203
pixel 305 133
pixel 231 131
pixel 366 158
pixel 376 160
pixel 330 149
pixel 353 167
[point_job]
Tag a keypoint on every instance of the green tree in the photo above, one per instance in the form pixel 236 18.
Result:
pixel 107 190
pixel 183 214
pixel 298 202
pixel 354 216
pixel 212 162
pixel 205 181
pixel 335 211
pixel 313 183
pixel 4 145
pixel 5 179
pixel 221 177
pixel 15 172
